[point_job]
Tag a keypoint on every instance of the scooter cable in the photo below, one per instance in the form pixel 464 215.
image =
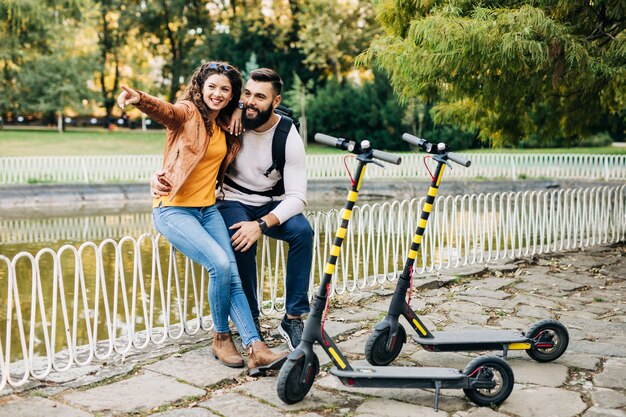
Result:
pixel 432 177
pixel 345 164
pixel 325 311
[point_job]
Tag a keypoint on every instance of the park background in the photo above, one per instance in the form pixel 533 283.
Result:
pixel 488 74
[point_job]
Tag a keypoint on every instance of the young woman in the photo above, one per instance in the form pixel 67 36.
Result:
pixel 197 152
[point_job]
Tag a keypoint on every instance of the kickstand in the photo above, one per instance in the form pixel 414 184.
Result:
pixel 505 351
pixel 437 393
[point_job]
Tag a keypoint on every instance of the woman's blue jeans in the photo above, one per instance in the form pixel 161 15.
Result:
pixel 200 234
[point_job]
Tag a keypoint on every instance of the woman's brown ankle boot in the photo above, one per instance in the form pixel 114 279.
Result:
pixel 225 351
pixel 262 359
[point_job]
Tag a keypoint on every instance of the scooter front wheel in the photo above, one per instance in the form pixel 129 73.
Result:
pixel 376 351
pixel 488 369
pixel 550 339
pixel 296 378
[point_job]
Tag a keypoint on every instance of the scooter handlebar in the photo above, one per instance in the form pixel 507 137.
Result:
pixel 387 157
pixel 459 159
pixel 349 146
pixel 414 140
pixel 439 149
pixel 340 143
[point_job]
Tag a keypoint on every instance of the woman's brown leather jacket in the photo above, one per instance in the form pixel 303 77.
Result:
pixel 186 139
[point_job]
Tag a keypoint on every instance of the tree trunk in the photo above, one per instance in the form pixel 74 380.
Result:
pixel 60 122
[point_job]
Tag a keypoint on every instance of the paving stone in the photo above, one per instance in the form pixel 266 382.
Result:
pixel 104 373
pixel 197 367
pixel 608 398
pixel 430 282
pixel 545 374
pixel 613 375
pixel 603 412
pixel 534 313
pixel 484 293
pixel 596 348
pixel 536 301
pixel 39 407
pixel 352 314
pixel 580 361
pixel 490 283
pixel 235 405
pixel 263 390
pixel 355 345
pixel 479 412
pixel 139 393
pixel 543 401
pixel 186 412
pixel 456 360
pixel 72 374
pixel 383 408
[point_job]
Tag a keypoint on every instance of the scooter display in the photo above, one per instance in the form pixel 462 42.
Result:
pixel 486 380
pixel 545 341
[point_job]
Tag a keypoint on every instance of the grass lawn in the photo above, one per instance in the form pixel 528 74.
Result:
pixel 22 142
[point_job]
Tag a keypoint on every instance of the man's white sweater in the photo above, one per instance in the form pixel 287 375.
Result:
pixel 253 160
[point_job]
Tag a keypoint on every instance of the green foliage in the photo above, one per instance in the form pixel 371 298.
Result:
pixel 27 30
pixel 370 111
pixel 508 70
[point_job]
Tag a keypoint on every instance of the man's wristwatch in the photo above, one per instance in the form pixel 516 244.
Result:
pixel 263 225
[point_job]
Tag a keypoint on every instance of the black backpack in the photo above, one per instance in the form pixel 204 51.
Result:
pixel 279 141
pixel 286 111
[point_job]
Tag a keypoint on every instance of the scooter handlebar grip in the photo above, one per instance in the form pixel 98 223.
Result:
pixel 414 140
pixel 387 157
pixel 459 159
pixel 334 142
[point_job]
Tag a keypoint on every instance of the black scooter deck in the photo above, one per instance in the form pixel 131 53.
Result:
pixel 400 377
pixel 468 340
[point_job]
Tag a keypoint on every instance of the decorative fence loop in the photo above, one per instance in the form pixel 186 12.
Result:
pixel 116 296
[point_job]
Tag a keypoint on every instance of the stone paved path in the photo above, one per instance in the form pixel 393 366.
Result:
pixel 586 290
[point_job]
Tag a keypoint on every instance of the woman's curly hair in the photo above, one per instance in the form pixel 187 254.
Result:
pixel 193 93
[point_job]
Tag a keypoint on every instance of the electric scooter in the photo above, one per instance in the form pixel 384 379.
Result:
pixel 544 341
pixel 486 381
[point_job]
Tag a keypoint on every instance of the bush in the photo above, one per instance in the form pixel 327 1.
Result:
pixel 597 139
pixel 370 111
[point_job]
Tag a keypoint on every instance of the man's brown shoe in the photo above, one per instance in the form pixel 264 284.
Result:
pixel 225 351
pixel 262 359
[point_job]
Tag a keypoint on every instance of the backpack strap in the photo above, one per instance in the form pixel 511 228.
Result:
pixel 279 142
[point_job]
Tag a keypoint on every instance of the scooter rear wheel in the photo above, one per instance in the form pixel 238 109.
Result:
pixel 376 351
pixel 291 388
pixel 552 331
pixel 494 368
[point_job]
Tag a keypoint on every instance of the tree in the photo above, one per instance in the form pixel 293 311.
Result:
pixel 173 28
pixel 507 69
pixel 113 32
pixel 332 33
pixel 27 29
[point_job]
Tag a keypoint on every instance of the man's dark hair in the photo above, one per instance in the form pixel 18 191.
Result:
pixel 268 75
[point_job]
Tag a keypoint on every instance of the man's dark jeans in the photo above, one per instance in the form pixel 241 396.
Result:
pixel 296 232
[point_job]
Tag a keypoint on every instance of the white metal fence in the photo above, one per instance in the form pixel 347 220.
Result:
pixel 91 302
pixel 138 168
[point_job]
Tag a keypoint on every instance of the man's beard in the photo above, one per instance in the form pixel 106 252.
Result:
pixel 261 117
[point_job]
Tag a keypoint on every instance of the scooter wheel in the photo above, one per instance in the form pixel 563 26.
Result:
pixel 551 331
pixel 291 386
pixel 489 368
pixel 376 351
